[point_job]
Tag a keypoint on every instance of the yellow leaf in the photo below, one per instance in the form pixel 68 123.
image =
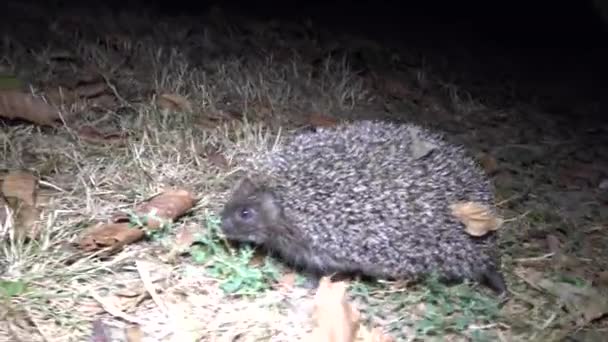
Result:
pixel 477 218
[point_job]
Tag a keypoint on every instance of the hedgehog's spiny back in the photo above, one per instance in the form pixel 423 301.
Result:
pixel 359 194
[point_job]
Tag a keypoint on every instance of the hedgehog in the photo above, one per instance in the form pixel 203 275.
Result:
pixel 367 197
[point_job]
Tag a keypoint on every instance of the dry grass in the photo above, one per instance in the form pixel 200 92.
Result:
pixel 225 73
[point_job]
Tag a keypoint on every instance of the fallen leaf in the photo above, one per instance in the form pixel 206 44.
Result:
pixel 114 235
pixel 321 120
pixel 174 102
pixel 92 135
pixel 477 218
pixel 135 334
pixel 162 208
pixel 88 90
pixel 21 185
pixel 16 104
pixel 335 320
pixel 60 95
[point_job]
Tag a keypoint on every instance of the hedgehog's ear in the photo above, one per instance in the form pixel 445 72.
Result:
pixel 244 188
pixel 270 205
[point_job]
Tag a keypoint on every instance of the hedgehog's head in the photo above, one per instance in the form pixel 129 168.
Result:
pixel 251 213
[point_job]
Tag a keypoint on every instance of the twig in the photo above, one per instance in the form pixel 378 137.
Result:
pixel 150 287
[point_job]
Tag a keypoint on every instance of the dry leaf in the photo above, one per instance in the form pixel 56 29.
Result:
pixel 88 90
pixel 21 185
pixel 134 334
pixel 335 320
pixel 60 95
pixel 166 207
pixel 478 219
pixel 16 104
pixel 174 102
pixel 92 135
pixel 114 235
pixel 320 120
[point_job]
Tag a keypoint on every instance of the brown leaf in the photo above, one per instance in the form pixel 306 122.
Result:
pixel 478 219
pixel 88 90
pixel 321 120
pixel 134 334
pixel 166 207
pixel 174 102
pixel 21 185
pixel 335 320
pixel 114 235
pixel 92 135
pixel 16 104
pixel 60 95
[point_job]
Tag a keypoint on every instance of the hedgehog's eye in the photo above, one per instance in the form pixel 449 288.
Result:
pixel 246 213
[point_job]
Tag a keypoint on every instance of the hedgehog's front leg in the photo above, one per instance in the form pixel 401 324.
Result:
pixel 494 279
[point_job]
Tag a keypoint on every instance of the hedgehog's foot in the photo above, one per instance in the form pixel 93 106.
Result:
pixel 494 279
pixel 311 280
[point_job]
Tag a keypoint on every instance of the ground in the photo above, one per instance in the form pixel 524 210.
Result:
pixel 177 97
